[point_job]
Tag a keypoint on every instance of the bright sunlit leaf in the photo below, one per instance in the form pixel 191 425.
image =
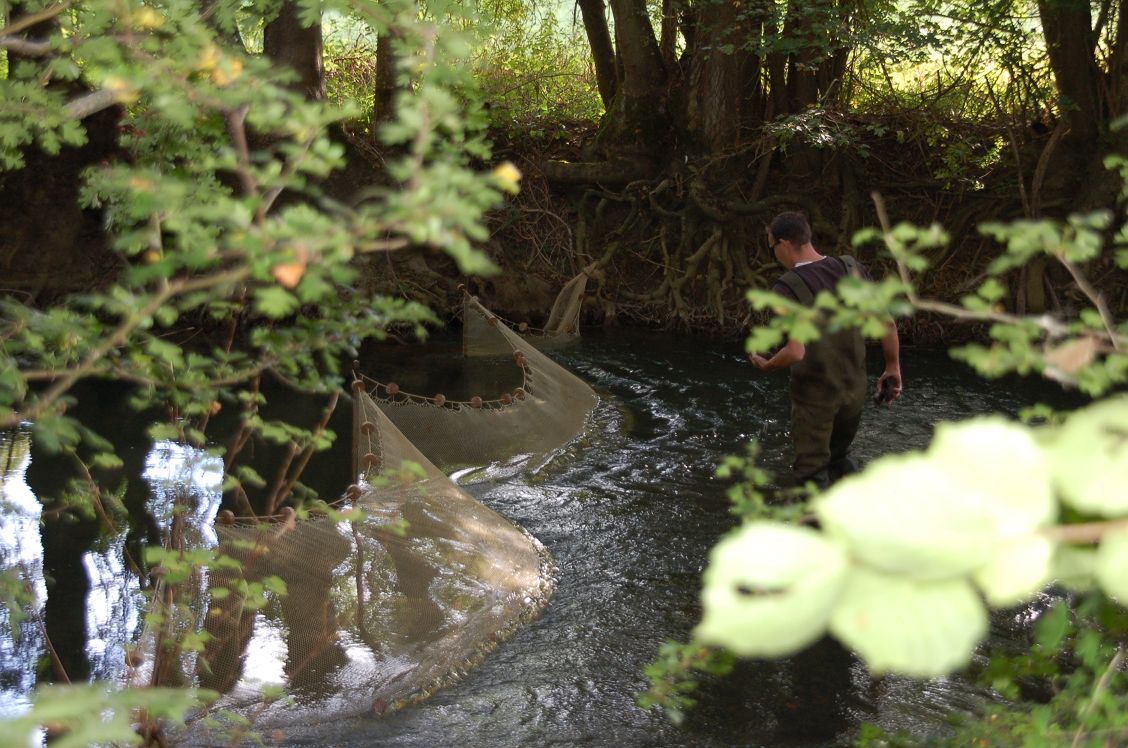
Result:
pixel 769 590
pixel 1112 565
pixel 922 629
pixel 1089 458
pixel 1019 569
pixel 906 515
pixel 1000 462
pixel 1074 567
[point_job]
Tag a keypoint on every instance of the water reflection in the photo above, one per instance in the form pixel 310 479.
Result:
pixel 85 594
pixel 174 470
pixel 628 516
pixel 21 555
pixel 114 607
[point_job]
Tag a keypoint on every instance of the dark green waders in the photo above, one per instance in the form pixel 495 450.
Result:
pixel 828 393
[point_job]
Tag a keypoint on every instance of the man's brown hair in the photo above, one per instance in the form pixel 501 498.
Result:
pixel 792 226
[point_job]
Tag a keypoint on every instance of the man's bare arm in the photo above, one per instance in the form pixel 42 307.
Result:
pixel 792 353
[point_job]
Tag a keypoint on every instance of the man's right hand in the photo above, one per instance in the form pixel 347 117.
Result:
pixel 888 388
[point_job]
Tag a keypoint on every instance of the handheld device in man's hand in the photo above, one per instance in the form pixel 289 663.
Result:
pixel 884 394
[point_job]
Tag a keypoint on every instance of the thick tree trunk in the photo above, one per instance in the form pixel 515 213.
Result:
pixel 286 41
pixel 386 77
pixel 1118 64
pixel 802 67
pixel 717 73
pixel 602 51
pixel 638 119
pixel 1067 27
pixel 643 74
pixel 45 192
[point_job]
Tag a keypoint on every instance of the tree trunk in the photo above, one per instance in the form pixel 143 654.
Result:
pixel 802 67
pixel 1067 27
pixel 643 72
pixel 716 81
pixel 637 119
pixel 777 80
pixel 668 38
pixel 45 193
pixel 386 77
pixel 602 51
pixel 286 41
pixel 1118 64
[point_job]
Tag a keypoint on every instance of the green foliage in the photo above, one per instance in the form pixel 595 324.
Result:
pixel 234 262
pixel 195 247
pixel 33 115
pixel 531 63
pixel 746 495
pixel 817 128
pixel 673 676
pixel 780 581
pixel 85 715
pixel 946 61
pixel 910 554
pixel 1075 658
pixel 907 548
pixel 534 68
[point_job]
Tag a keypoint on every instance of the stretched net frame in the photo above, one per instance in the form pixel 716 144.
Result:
pixel 549 408
pixel 392 592
pixel 561 330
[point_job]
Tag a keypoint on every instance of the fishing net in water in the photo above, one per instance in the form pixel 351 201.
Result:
pixel 395 591
pixel 548 408
pixel 561 329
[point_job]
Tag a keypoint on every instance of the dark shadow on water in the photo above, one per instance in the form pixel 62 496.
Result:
pixel 807 700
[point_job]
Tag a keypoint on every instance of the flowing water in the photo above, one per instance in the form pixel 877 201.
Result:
pixel 629 513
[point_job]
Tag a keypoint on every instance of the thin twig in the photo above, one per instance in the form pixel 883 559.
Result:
pixel 117 338
pixel 284 491
pixel 291 167
pixel 1045 322
pixel 28 21
pixel 103 516
pixel 1084 532
pixel 237 130
pixel 1102 684
pixel 26 47
pixel 1098 300
pixel 56 662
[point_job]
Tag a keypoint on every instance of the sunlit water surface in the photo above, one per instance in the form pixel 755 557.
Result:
pixel 629 513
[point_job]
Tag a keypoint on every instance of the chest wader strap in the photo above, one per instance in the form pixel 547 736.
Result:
pixel 803 292
pixel 798 287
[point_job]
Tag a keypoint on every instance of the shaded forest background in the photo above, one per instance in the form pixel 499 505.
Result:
pixel 656 140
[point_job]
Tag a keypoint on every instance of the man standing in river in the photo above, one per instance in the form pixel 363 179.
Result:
pixel 828 376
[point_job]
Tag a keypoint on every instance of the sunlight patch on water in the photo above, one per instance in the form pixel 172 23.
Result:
pixel 113 611
pixel 266 654
pixel 21 553
pixel 175 469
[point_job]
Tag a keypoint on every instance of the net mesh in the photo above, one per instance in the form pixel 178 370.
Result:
pixel 549 409
pixel 561 329
pixel 397 589
pixel 391 594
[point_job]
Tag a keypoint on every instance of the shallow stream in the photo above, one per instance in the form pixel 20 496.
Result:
pixel 629 513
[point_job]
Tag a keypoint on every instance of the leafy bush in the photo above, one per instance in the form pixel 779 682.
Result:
pixel 233 263
pixel 907 556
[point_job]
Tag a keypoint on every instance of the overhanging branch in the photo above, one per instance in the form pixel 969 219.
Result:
pixel 87 104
